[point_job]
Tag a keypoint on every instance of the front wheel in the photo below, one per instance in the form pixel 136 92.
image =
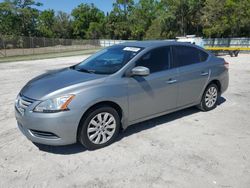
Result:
pixel 209 98
pixel 99 128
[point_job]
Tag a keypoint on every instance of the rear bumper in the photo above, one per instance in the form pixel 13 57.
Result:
pixel 224 80
pixel 49 129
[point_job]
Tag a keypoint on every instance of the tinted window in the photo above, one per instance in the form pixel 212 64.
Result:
pixel 203 56
pixel 156 60
pixel 185 55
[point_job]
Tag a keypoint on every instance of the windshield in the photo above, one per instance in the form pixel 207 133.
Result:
pixel 109 60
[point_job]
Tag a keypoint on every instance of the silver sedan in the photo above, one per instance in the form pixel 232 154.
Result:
pixel 117 87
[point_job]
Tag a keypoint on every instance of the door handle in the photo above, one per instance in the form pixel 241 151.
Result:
pixel 204 73
pixel 171 81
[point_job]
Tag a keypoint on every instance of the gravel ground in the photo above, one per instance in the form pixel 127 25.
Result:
pixel 188 148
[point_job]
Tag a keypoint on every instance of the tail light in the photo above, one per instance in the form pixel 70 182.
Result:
pixel 226 65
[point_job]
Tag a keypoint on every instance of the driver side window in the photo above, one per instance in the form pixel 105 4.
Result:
pixel 156 60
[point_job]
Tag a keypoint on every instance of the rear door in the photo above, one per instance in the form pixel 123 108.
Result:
pixel 156 92
pixel 194 73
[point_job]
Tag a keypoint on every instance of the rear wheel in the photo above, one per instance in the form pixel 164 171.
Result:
pixel 99 128
pixel 209 98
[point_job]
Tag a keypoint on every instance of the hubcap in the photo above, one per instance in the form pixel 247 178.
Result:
pixel 101 128
pixel 211 97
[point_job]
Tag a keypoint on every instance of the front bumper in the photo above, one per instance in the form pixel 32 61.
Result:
pixel 49 128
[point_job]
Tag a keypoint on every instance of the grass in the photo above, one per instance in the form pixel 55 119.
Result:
pixel 47 56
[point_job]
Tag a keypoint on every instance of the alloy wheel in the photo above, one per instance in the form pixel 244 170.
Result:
pixel 211 97
pixel 101 128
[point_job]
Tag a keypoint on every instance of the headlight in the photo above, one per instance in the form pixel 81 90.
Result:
pixel 54 105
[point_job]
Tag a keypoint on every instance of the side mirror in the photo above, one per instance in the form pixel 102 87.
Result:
pixel 140 71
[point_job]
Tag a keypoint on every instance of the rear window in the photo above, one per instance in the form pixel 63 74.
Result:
pixel 186 55
pixel 203 56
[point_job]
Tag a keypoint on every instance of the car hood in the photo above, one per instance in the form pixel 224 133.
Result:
pixel 53 81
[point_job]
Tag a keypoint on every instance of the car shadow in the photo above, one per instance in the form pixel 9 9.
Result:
pixel 221 100
pixel 145 125
pixel 62 150
pixel 161 120
pixel 78 148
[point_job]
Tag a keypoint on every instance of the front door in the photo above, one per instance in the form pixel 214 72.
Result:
pixel 157 92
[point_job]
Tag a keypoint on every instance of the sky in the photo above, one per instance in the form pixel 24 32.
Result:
pixel 68 5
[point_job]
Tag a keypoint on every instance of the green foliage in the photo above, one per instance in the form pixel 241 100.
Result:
pixel 63 25
pixel 27 14
pixel 129 19
pixel 223 18
pixel 117 22
pixel 142 15
pixel 95 30
pixel 18 17
pixel 155 31
pixel 180 17
pixel 83 16
pixel 45 22
pixel 8 19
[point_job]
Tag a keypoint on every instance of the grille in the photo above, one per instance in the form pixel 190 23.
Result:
pixel 22 103
pixel 43 134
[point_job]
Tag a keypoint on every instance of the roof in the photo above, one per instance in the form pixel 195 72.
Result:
pixel 149 43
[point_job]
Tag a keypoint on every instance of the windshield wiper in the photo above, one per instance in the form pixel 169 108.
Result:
pixel 85 70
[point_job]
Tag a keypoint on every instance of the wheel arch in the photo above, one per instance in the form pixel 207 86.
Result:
pixel 112 104
pixel 216 82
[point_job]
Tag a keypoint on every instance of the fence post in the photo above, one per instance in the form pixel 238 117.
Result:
pixel 33 47
pixel 5 50
pixel 30 46
pixel 60 45
pixel 44 45
pixel 22 43
pixel 44 42
pixel 54 45
pixel 5 53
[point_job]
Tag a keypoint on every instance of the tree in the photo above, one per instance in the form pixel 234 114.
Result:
pixel 155 31
pixel 28 14
pixel 9 19
pixel 95 30
pixel 117 22
pixel 223 18
pixel 83 15
pixel 213 20
pixel 63 25
pixel 180 17
pixel 243 21
pixel 129 19
pixel 18 17
pixel 46 21
pixel 141 18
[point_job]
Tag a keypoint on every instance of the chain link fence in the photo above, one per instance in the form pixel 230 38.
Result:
pixel 20 45
pixel 16 45
pixel 227 42
pixel 211 42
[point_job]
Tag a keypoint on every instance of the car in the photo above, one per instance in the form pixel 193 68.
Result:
pixel 119 86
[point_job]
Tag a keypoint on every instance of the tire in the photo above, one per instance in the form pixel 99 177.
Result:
pixel 209 98
pixel 99 128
